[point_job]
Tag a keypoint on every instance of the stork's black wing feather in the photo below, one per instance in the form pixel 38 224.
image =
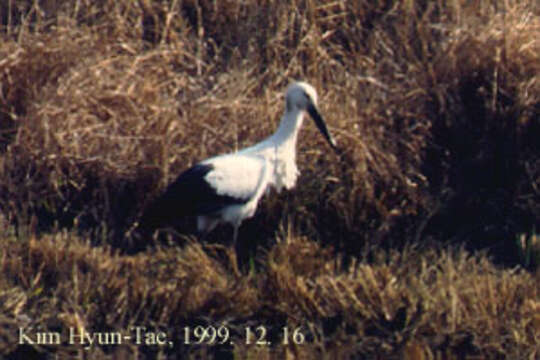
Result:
pixel 190 194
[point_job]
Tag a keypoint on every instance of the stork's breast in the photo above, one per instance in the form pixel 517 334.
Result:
pixel 286 174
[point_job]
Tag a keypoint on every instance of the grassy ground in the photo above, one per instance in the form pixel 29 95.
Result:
pixel 419 242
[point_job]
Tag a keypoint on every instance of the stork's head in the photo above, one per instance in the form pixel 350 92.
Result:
pixel 302 96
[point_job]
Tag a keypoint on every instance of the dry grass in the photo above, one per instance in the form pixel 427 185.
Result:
pixel 435 105
pixel 429 302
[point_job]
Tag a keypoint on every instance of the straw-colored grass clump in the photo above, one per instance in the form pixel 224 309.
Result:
pixel 104 116
pixel 445 302
pixel 434 105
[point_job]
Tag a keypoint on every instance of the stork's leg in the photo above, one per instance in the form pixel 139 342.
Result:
pixel 232 251
pixel 235 235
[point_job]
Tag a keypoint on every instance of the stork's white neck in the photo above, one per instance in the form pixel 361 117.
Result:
pixel 284 138
pixel 279 150
pixel 287 131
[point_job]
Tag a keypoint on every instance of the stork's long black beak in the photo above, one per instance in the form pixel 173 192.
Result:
pixel 321 124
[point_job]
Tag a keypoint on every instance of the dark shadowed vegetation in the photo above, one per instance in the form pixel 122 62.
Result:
pixel 419 242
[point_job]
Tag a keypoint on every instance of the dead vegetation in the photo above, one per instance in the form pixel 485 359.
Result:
pixel 415 303
pixel 435 105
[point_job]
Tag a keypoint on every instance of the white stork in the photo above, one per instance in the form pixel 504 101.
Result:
pixel 227 188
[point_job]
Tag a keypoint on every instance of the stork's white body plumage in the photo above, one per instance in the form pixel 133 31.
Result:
pixel 231 185
pixel 242 176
